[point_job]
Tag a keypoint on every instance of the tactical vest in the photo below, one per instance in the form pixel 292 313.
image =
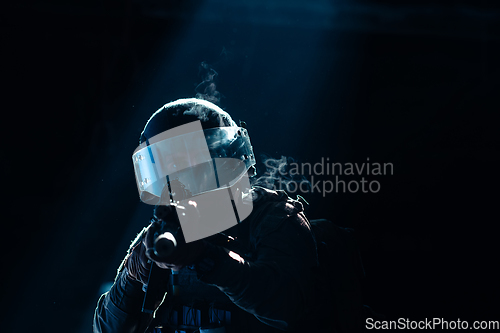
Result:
pixel 203 308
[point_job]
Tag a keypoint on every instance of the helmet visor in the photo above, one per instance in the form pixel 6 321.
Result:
pixel 187 160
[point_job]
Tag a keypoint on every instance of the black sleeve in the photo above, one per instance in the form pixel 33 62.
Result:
pixel 275 286
pixel 119 310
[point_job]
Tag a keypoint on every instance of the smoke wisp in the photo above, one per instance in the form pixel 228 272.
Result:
pixel 278 176
pixel 207 89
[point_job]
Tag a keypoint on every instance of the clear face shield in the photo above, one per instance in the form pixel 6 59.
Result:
pixel 187 161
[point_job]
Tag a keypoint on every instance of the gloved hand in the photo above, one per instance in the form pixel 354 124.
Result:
pixel 142 250
pixel 185 254
pixel 136 262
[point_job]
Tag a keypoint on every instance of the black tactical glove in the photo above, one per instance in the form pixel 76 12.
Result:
pixel 185 254
pixel 136 262
pixel 142 251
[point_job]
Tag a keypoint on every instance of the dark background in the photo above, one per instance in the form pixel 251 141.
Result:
pixel 413 84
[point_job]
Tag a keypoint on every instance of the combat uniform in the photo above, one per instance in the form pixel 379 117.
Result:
pixel 271 285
